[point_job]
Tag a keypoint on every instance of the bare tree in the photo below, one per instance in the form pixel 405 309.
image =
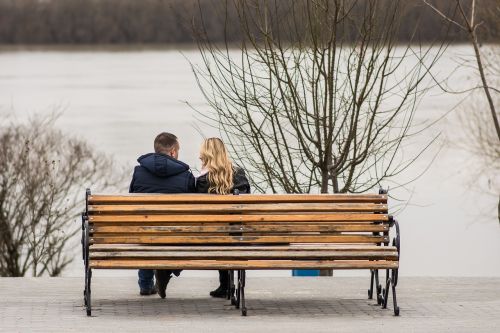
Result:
pixel 318 95
pixel 482 131
pixel 480 139
pixel 43 174
pixel 467 22
pixel 479 136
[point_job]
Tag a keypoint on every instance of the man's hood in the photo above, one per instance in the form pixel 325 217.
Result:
pixel 162 165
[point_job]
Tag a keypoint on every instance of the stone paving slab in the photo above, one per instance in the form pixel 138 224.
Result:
pixel 305 304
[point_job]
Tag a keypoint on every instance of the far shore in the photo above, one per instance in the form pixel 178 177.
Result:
pixel 134 47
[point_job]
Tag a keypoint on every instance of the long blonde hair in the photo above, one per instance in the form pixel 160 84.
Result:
pixel 215 160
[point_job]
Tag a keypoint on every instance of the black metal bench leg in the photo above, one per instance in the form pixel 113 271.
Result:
pixel 394 300
pixel 83 241
pixel 238 294
pixel 228 286
pixel 85 255
pixel 375 280
pixel 232 288
pixel 385 292
pixel 88 273
pixel 391 282
pixel 379 288
pixel 242 292
pixel 88 302
pixel 370 291
pixel 85 291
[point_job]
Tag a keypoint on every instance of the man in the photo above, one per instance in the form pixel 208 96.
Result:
pixel 161 172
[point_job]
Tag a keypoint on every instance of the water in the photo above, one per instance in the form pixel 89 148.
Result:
pixel 119 100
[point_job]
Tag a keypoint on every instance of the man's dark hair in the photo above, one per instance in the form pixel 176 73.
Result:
pixel 165 142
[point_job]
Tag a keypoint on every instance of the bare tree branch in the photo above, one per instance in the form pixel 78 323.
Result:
pixel 306 104
pixel 42 175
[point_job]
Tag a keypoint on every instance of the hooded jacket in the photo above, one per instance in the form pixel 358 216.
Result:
pixel 159 173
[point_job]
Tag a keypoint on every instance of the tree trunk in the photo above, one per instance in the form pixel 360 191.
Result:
pixel 485 83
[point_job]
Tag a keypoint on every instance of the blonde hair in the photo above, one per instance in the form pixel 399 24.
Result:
pixel 215 160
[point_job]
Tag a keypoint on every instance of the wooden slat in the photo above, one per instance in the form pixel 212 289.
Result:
pixel 269 228
pixel 239 264
pixel 313 217
pixel 235 255
pixel 291 247
pixel 237 239
pixel 239 208
pixel 256 198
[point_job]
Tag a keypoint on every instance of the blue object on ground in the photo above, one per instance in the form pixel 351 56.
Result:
pixel 305 272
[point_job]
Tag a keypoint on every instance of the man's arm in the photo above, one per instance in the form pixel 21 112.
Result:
pixel 202 185
pixel 191 188
pixel 131 187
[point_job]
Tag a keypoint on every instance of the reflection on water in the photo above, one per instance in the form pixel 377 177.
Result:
pixel 119 100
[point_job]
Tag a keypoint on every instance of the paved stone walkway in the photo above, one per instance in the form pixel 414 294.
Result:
pixel 274 304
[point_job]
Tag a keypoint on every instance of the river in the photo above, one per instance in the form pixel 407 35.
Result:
pixel 119 99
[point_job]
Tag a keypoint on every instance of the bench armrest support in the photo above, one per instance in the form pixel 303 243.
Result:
pixel 396 241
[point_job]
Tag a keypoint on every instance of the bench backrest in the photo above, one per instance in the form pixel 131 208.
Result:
pixel 178 219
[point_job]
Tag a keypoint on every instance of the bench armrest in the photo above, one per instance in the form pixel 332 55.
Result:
pixel 396 241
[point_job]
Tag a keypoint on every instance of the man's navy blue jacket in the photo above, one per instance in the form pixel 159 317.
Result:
pixel 159 173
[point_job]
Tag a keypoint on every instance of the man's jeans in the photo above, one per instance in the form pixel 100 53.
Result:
pixel 146 281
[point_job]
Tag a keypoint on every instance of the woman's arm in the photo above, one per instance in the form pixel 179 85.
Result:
pixel 202 184
pixel 240 181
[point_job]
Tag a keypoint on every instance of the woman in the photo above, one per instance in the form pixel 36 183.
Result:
pixel 220 176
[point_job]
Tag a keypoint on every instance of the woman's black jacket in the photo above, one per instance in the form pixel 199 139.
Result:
pixel 240 182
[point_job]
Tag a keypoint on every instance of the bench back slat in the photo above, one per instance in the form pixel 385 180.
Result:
pixel 138 198
pixel 233 208
pixel 242 228
pixel 251 255
pixel 198 239
pixel 243 218
pixel 266 248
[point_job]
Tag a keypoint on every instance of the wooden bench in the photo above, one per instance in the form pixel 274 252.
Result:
pixel 239 233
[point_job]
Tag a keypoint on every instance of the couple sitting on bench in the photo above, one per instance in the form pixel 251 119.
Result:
pixel 162 172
